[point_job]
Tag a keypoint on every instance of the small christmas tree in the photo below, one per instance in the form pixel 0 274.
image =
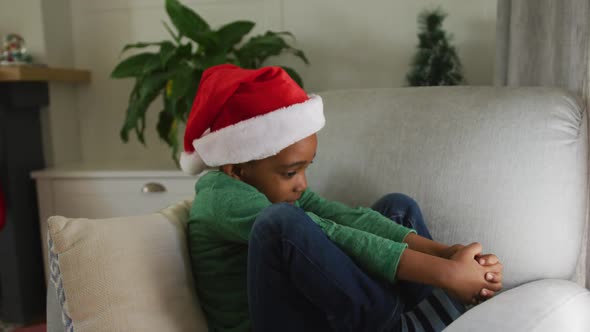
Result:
pixel 436 61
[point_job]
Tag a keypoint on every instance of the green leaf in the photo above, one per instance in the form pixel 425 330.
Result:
pixel 174 36
pixel 131 114
pixel 165 127
pixel 181 82
pixel 269 44
pixel 234 61
pixel 145 91
pixel 210 61
pixel 232 33
pixel 151 65
pixel 167 51
pixel 194 86
pixel 253 53
pixel 185 106
pixel 153 84
pixel 190 24
pixel 185 50
pixel 141 109
pixel 186 21
pixel 287 33
pixel 128 124
pixel 209 40
pixel 141 45
pixel 170 105
pixel 300 55
pixel 140 128
pixel 132 66
pixel 294 75
pixel 185 103
pixel 181 58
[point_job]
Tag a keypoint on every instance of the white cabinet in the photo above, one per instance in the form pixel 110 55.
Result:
pixel 81 191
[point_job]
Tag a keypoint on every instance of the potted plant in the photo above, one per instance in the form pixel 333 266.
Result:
pixel 175 69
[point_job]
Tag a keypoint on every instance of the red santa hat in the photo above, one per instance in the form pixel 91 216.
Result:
pixel 241 115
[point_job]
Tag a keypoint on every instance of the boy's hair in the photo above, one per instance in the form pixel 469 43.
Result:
pixel 241 115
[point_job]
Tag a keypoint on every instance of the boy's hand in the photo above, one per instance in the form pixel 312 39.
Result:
pixel 450 251
pixel 489 260
pixel 495 276
pixel 468 280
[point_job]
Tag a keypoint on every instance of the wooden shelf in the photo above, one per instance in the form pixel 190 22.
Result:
pixel 39 73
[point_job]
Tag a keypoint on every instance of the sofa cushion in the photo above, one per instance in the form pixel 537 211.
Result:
pixel 125 274
pixel 542 306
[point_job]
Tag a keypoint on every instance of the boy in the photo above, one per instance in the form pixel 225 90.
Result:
pixel 268 254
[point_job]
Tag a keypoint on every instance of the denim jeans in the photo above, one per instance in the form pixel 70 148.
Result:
pixel 299 280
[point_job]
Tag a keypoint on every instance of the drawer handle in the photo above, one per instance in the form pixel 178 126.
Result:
pixel 153 187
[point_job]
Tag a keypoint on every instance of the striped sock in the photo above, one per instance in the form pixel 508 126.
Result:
pixel 434 313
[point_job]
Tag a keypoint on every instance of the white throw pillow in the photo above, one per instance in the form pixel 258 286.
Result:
pixel 125 274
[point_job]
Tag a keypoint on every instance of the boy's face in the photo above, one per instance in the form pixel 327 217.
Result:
pixel 281 177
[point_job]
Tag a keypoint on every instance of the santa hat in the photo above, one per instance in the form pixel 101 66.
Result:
pixel 241 115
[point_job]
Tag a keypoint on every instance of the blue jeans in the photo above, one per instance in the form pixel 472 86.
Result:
pixel 299 280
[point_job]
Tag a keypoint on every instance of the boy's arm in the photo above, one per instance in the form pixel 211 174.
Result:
pixel 376 255
pixel 461 275
pixel 360 218
pixel 430 247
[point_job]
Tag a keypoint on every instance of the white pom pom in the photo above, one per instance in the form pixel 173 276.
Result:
pixel 191 163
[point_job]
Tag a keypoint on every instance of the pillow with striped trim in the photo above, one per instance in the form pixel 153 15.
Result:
pixel 124 274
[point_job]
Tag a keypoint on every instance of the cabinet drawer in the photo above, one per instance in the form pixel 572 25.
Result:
pixel 104 198
pixel 122 186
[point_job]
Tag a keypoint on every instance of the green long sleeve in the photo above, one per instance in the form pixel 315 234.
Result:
pixel 377 255
pixel 360 218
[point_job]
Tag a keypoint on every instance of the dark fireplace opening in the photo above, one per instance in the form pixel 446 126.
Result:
pixel 22 285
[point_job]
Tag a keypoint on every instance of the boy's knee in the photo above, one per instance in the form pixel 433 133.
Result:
pixel 274 218
pixel 399 199
pixel 403 210
pixel 279 211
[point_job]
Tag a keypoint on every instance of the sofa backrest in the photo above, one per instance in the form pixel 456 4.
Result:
pixel 506 167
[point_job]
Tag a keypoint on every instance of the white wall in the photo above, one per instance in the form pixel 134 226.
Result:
pixel 357 44
pixel 24 17
pixel 46 28
pixel 351 44
pixel 63 122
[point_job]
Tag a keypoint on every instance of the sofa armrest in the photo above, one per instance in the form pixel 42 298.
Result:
pixel 543 305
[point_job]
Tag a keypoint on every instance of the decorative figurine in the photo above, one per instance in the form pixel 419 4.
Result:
pixel 13 50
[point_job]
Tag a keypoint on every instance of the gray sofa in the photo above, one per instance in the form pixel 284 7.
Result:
pixel 503 166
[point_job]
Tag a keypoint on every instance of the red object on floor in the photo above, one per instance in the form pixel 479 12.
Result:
pixel 2 210
pixel 35 328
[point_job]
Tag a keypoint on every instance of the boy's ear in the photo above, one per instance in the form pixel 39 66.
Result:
pixel 235 171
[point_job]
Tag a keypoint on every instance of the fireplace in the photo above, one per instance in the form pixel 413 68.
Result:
pixel 22 286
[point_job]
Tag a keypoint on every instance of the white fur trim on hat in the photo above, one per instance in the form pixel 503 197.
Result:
pixel 191 163
pixel 262 136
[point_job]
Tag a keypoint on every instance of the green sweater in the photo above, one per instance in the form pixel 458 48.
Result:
pixel 221 218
